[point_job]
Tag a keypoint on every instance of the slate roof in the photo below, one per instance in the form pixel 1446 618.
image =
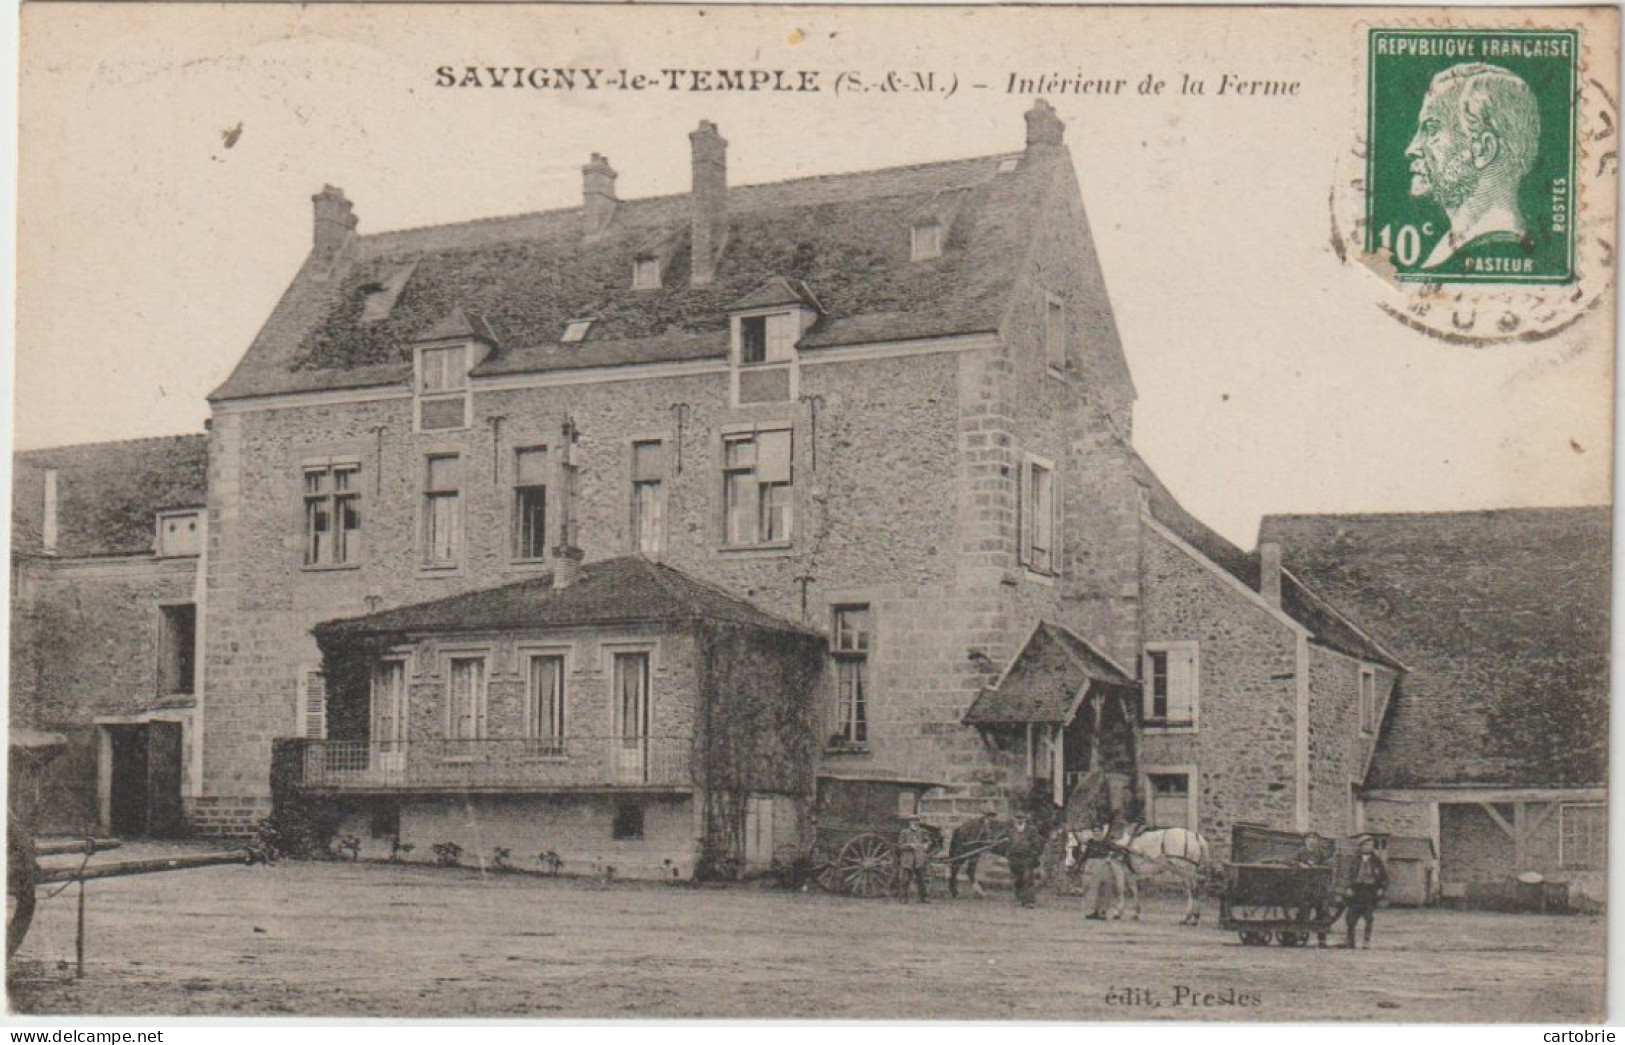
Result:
pixel 108 494
pixel 1502 618
pixel 627 590
pixel 1321 616
pixel 845 237
pixel 1044 680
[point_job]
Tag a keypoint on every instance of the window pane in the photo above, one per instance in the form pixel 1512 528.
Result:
pixel 530 506
pixel 648 524
pixel 740 493
pixel 443 369
pixel 347 539
pixel 530 467
pixel 547 697
pixel 775 509
pixel 317 527
pixel 444 525
pixel 316 481
pixel 753 339
pixel 344 479
pixel 740 452
pixel 853 711
pixel 467 693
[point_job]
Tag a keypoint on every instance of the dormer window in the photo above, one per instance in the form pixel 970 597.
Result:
pixel 765 325
pixel 576 330
pixel 926 241
pixel 646 272
pixel 442 387
pixel 768 339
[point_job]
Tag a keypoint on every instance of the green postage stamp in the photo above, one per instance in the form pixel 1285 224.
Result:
pixel 1470 160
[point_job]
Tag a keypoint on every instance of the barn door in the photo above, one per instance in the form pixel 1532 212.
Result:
pixel 163 779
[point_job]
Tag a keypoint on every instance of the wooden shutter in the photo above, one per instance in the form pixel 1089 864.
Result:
pixel 1024 483
pixel 1181 684
pixel 773 456
pixel 313 705
pixel 1055 521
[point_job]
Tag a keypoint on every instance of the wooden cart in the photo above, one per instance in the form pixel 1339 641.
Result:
pixel 853 836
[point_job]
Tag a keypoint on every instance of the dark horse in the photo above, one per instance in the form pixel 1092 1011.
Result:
pixel 973 840
pixel 986 834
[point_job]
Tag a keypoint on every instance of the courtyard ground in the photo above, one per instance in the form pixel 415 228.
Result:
pixel 338 939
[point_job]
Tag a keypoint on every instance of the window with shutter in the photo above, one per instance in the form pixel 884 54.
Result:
pixel 466 698
pixel 648 497
pixel 758 488
pixel 530 503
pixel 442 510
pixel 313 705
pixel 1038 517
pixel 1170 678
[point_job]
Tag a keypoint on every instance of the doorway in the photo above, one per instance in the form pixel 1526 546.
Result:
pixel 144 792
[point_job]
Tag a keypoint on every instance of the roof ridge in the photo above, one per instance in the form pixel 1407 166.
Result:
pixel 1438 513
pixel 133 440
pixel 494 219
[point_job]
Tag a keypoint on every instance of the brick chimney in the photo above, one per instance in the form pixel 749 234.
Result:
pixel 335 222
pixel 1269 572
pixel 597 197
pixel 708 201
pixel 1044 128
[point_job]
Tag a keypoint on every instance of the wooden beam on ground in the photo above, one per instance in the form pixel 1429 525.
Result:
pixel 131 867
pixel 75 846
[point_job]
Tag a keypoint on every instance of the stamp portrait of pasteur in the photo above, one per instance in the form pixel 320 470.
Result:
pixel 1477 136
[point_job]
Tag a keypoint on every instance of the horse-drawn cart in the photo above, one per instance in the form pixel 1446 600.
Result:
pixel 853 843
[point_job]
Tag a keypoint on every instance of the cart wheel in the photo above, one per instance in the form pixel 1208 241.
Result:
pixel 1254 938
pixel 868 866
pixel 21 871
pixel 1291 939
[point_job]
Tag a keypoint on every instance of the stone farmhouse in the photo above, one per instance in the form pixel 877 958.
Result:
pixel 638 530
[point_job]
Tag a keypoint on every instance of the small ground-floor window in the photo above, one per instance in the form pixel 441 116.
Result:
pixel 628 820
pixel 386 821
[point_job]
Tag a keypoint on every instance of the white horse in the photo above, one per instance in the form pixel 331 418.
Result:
pixel 1168 851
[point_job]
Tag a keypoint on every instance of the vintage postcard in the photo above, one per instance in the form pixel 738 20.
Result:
pixel 932 513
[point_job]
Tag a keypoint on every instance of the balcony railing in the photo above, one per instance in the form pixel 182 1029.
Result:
pixel 509 763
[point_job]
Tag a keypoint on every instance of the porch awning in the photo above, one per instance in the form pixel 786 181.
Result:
pixel 1047 681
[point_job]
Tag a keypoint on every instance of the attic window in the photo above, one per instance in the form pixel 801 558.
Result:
pixel 375 302
pixel 646 272
pixel 576 330
pixel 927 241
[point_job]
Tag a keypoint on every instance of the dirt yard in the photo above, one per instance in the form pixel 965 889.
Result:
pixel 329 939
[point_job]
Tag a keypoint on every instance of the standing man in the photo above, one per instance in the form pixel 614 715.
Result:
pixel 1026 846
pixel 914 846
pixel 1315 853
pixel 1368 883
pixel 1097 872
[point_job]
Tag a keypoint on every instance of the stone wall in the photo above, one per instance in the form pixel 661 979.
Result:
pixel 1244 744
pixel 579 828
pixel 86 638
pixel 1339 750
